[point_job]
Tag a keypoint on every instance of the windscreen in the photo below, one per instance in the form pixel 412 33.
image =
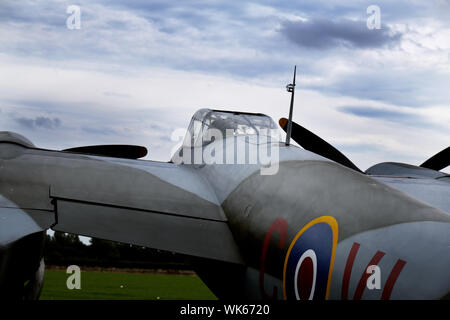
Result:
pixel 206 123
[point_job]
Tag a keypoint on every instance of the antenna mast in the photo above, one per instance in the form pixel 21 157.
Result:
pixel 290 88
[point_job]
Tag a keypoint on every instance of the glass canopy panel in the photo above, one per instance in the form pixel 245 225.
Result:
pixel 207 122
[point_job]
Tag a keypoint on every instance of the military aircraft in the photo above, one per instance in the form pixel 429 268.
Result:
pixel 304 224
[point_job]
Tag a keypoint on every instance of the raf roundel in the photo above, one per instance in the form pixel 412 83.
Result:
pixel 309 261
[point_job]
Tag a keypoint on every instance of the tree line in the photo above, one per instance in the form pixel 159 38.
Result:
pixel 63 249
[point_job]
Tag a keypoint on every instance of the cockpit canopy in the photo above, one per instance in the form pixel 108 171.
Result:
pixel 207 122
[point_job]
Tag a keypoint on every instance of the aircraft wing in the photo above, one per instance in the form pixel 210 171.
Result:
pixel 17 223
pixel 430 186
pixel 153 204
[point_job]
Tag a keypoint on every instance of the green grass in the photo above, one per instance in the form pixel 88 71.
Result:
pixel 136 286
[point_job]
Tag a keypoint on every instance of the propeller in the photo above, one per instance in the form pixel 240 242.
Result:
pixel 112 150
pixel 313 143
pixel 439 161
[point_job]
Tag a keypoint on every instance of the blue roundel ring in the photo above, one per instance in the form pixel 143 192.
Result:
pixel 309 260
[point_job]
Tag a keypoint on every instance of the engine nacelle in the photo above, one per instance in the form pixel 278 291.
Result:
pixel 22 268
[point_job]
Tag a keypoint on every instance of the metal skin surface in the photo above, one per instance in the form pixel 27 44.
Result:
pixel 360 206
pixel 247 233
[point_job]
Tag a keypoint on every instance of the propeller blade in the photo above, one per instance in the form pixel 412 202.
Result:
pixel 112 150
pixel 313 143
pixel 439 161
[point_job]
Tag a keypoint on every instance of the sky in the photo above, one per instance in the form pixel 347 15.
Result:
pixel 135 71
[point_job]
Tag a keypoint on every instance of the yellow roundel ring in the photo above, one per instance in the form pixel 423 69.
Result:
pixel 309 261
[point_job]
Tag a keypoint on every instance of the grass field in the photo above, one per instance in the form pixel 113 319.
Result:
pixel 114 285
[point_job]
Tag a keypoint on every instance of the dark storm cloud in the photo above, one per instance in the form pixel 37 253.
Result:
pixel 39 122
pixel 321 33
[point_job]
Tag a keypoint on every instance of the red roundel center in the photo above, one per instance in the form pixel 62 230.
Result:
pixel 305 278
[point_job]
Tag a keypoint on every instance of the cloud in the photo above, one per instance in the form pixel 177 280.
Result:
pixel 374 113
pixel 39 122
pixel 137 69
pixel 385 115
pixel 100 131
pixel 116 94
pixel 30 12
pixel 401 87
pixel 322 33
